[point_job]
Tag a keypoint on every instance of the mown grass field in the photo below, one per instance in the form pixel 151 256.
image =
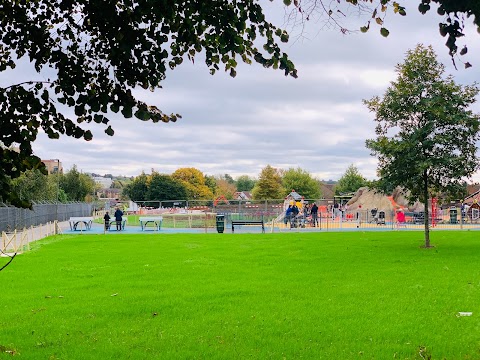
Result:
pixel 352 295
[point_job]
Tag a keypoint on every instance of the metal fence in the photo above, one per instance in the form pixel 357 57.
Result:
pixel 330 218
pixel 268 209
pixel 12 218
pixel 201 214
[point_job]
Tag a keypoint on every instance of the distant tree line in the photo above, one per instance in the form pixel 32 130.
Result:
pixel 272 183
pixel 33 185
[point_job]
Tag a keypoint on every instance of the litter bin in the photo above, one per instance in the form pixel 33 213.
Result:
pixel 453 215
pixel 220 223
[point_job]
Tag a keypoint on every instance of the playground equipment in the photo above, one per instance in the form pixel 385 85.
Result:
pixel 220 198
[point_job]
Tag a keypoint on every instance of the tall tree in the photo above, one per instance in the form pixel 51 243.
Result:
pixel 245 183
pixel 137 189
pixel 116 184
pixel 269 184
pixel 194 181
pixel 33 185
pixel 211 182
pixel 89 55
pixel 426 134
pixel 163 187
pixel 350 181
pixel 302 182
pixel 228 178
pixel 77 185
pixel 225 188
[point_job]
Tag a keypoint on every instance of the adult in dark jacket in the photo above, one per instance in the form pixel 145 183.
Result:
pixel 314 212
pixel 118 218
pixel 288 214
pixel 106 217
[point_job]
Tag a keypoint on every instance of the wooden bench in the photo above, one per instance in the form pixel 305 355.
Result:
pixel 156 221
pixel 85 220
pixel 247 222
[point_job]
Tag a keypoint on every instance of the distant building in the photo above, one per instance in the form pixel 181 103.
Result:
pixel 53 166
pixel 104 182
pixel 242 195
pixel 327 190
pixel 108 193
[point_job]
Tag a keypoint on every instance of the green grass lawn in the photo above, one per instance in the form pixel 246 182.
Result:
pixel 373 295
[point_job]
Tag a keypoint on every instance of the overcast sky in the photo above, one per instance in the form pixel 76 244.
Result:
pixel 239 125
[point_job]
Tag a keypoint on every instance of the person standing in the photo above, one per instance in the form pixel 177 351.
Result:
pixel 118 218
pixel 295 212
pixel 336 208
pixel 106 218
pixel 288 214
pixel 314 212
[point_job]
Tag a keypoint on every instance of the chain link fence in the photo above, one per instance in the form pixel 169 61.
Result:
pixel 201 214
pixel 330 216
pixel 12 218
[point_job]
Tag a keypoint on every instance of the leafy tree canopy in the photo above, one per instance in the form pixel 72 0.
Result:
pixel 302 182
pixel 137 190
pixel 33 185
pixel 269 184
pixel 245 183
pixel 426 133
pixel 211 182
pixel 225 188
pixel 163 188
pixel 76 185
pixel 89 55
pixel 228 178
pixel 194 181
pixel 350 181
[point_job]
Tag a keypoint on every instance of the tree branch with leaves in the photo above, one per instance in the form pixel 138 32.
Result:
pixel 90 55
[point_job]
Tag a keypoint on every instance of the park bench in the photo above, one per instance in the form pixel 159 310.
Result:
pixel 247 222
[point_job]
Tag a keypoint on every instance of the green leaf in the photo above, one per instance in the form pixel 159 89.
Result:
pixel 114 108
pixel 88 135
pixel 127 111
pixel 423 8
pixel 109 131
pixel 384 32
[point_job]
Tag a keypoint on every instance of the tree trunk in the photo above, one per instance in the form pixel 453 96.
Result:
pixel 425 201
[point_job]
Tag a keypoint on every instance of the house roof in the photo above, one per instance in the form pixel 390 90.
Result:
pixel 327 190
pixel 243 195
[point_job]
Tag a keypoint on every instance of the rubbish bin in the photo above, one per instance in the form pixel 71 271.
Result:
pixel 453 215
pixel 220 223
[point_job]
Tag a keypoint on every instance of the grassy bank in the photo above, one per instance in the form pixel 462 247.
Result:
pixel 224 296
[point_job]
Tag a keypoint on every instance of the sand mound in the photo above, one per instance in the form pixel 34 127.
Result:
pixel 369 199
